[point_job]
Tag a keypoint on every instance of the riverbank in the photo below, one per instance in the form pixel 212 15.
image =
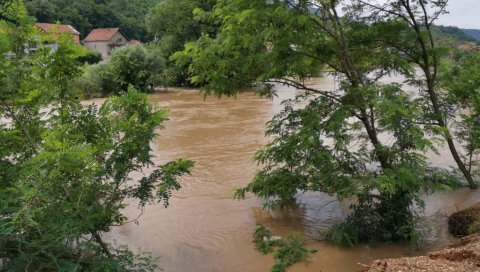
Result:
pixel 461 257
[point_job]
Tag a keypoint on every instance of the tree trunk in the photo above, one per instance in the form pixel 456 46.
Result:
pixel 448 136
pixel 102 244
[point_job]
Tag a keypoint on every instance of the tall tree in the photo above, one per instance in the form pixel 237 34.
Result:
pixel 460 78
pixel 333 143
pixel 66 168
pixel 176 22
pixel 419 47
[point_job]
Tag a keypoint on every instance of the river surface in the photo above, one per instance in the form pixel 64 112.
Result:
pixel 205 229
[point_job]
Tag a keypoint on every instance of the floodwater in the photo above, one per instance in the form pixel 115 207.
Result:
pixel 205 229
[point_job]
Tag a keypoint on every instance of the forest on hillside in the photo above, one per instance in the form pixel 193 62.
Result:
pixel 453 33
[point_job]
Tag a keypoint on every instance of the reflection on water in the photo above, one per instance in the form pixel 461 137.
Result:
pixel 204 229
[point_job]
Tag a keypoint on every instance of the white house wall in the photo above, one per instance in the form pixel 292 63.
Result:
pixel 103 47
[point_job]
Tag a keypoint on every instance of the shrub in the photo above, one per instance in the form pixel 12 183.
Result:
pixel 286 253
pixel 97 81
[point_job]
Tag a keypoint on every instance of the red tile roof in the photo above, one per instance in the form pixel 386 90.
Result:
pixel 60 28
pixel 101 34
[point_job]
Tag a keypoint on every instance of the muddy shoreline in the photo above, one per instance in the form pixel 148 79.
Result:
pixel 460 257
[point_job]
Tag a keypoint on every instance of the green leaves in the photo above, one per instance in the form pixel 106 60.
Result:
pixel 66 168
pixel 141 67
pixel 164 180
pixel 286 253
pixel 363 136
pixel 290 252
pixel 462 82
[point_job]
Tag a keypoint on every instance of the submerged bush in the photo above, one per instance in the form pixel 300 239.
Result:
pixel 286 253
pixel 374 221
pixel 290 252
pixel 262 237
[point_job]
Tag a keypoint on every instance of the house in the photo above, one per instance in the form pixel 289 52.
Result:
pixel 55 29
pixel 105 40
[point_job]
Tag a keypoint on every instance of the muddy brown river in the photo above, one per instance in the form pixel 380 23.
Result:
pixel 205 229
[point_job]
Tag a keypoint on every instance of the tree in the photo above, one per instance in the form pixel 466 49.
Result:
pixel 143 68
pixel 461 79
pixel 419 47
pixel 6 11
pixel 176 18
pixel 128 67
pixel 332 143
pixel 173 23
pixel 65 168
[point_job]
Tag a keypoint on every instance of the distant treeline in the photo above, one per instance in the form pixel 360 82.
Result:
pixel 455 33
pixel 473 32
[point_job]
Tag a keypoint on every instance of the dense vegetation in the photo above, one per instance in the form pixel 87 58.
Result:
pixel 139 66
pixel 167 24
pixel 174 23
pixel 146 67
pixel 66 168
pixel 85 15
pixel 286 253
pixel 331 141
pixel 452 33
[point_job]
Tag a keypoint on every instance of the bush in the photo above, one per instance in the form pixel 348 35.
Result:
pixel 97 81
pixel 90 58
pixel 290 252
pixel 377 221
pixel 286 253
pixel 262 237
pixel 137 66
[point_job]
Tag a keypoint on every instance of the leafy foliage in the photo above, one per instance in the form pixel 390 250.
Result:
pixel 419 47
pixel 144 68
pixel 262 237
pixel 175 22
pixel 286 253
pixel 91 58
pixel 461 78
pixel 177 19
pixel 97 81
pixel 365 139
pixel 136 67
pixel 66 168
pixel 290 252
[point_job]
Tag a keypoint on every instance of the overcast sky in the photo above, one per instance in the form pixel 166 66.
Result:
pixel 463 13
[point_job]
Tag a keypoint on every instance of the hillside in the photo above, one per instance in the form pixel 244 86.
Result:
pixel 452 33
pixel 473 32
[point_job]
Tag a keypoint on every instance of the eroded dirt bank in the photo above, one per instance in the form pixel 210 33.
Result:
pixel 461 257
